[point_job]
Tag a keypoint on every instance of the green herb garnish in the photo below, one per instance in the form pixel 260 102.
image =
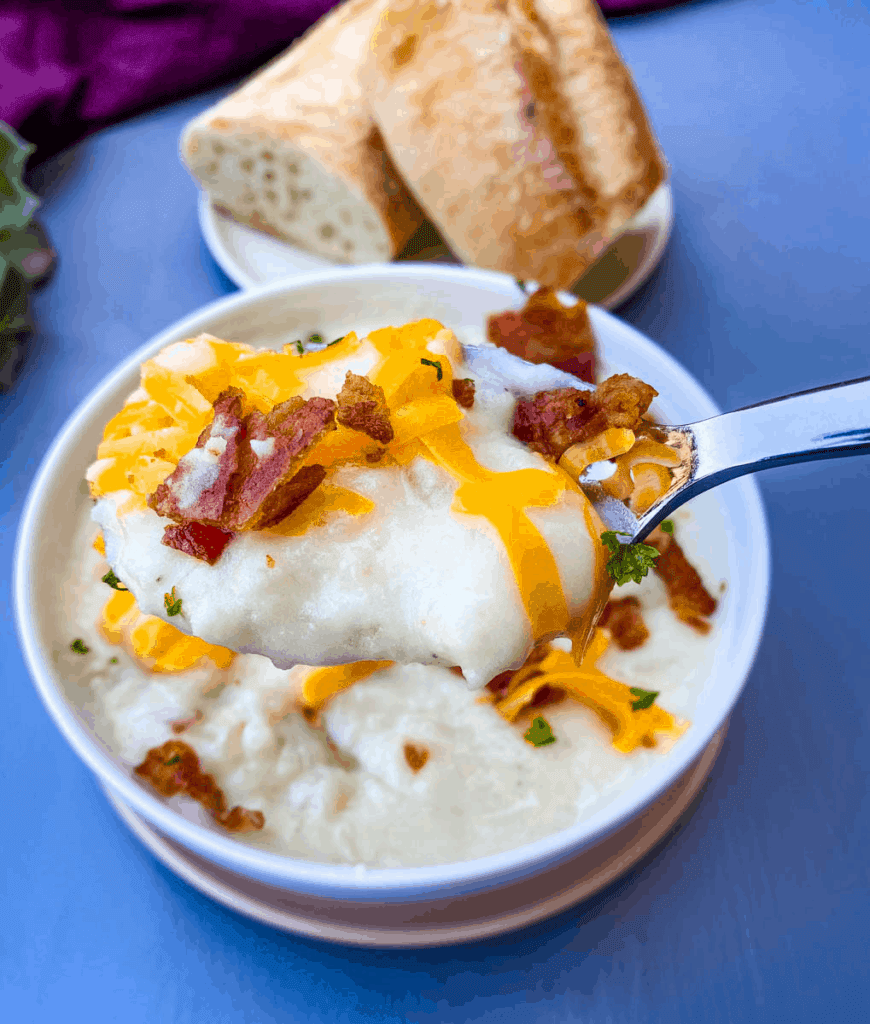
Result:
pixel 667 526
pixel 337 340
pixel 113 661
pixel 646 698
pixel 315 339
pixel 172 603
pixel 520 284
pixel 627 561
pixel 539 733
pixel 79 646
pixel 300 348
pixel 436 364
pixel 173 760
pixel 113 581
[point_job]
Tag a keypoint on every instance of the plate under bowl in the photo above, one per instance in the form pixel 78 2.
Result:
pixel 730 520
pixel 250 258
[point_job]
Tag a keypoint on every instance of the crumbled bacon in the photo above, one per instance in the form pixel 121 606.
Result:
pixel 546 696
pixel 624 619
pixel 271 479
pixel 240 819
pixel 198 539
pixel 552 421
pixel 362 406
pixel 463 391
pixel 260 476
pixel 187 495
pixel 415 756
pixel 687 595
pixel 545 331
pixel 174 768
pixel 500 683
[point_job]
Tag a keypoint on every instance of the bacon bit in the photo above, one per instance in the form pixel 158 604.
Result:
pixel 174 768
pixel 500 684
pixel 545 331
pixel 272 484
pixel 415 756
pixel 463 391
pixel 253 490
pixel 624 620
pixel 240 819
pixel 270 561
pixel 546 696
pixel 200 540
pixel 376 455
pixel 552 421
pixel 220 440
pixel 183 724
pixel 687 595
pixel 362 406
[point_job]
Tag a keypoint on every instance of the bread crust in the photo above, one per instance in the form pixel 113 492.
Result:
pixel 477 102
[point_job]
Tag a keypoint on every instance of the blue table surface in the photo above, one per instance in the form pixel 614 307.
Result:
pixel 758 909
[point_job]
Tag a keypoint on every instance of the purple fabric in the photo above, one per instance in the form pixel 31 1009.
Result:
pixel 68 67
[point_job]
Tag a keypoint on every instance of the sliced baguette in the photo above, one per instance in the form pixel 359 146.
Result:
pixel 294 152
pixel 475 99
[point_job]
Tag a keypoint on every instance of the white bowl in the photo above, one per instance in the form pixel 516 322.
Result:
pixel 730 520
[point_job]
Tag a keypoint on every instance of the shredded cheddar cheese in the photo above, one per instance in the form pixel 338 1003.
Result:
pixel 323 683
pixel 159 646
pixel 611 700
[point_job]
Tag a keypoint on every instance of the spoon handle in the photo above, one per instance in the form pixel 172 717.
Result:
pixel 825 423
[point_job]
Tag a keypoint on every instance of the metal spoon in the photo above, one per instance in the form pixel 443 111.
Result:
pixel 823 423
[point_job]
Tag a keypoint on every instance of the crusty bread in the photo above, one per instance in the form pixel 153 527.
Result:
pixel 491 110
pixel 295 152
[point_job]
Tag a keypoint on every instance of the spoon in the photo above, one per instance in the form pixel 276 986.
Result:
pixel 824 423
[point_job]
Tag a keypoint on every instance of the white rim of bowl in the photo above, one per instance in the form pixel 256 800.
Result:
pixel 368 882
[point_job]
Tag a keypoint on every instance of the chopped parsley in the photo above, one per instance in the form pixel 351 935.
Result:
pixel 627 561
pixel 79 646
pixel 172 603
pixel 539 733
pixel 300 348
pixel 436 364
pixel 315 339
pixel 173 760
pixel 113 661
pixel 646 698
pixel 113 581
pixel 337 340
pixel 520 284
pixel 667 526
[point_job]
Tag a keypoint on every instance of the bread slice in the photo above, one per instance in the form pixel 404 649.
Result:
pixel 600 126
pixel 483 109
pixel 294 152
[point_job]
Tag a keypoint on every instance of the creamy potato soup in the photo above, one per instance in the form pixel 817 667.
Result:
pixel 364 655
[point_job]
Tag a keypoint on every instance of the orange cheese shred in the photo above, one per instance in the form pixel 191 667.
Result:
pixel 611 700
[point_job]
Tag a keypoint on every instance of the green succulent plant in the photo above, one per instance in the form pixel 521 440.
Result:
pixel 18 242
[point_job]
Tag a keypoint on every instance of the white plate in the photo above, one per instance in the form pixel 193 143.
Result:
pixel 435 922
pixel 250 257
pixel 732 539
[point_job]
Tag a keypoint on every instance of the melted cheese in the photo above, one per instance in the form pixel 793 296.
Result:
pixel 158 645
pixel 611 700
